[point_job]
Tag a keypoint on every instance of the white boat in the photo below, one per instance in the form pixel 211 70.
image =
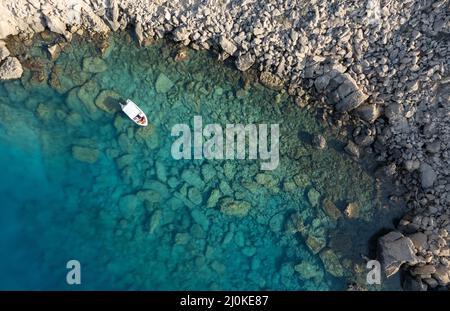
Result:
pixel 134 113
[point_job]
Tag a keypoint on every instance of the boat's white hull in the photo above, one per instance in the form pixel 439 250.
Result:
pixel 134 113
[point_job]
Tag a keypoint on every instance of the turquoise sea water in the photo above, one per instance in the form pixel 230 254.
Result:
pixel 80 181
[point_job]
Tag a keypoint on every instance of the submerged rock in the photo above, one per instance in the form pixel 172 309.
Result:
pixel 182 54
pixel 313 197
pixel 87 94
pixel 236 208
pixel 331 210
pixel 163 83
pixel 74 119
pixel 271 81
pixel 332 263
pixel 301 180
pixel 11 69
pixel 85 154
pixel 295 223
pixel 193 178
pixel 394 250
pixel 155 220
pixel 307 271
pixel 268 181
pixel 316 243
pixel 151 196
pixel 108 101
pixel 195 196
pixel 214 198
pixel 94 65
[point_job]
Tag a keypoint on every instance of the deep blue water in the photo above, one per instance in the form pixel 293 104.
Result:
pixel 79 182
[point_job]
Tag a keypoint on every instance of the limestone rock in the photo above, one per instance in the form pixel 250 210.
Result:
pixel 352 210
pixel 7 28
pixel 55 24
pixel 54 51
pixel 427 175
pixel 245 61
pixel 227 45
pixel 181 34
pixel 319 142
pixel 394 250
pixel 11 69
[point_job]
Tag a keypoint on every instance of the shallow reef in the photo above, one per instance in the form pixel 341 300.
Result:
pixel 80 181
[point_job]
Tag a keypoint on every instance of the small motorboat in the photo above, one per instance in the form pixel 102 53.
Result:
pixel 134 113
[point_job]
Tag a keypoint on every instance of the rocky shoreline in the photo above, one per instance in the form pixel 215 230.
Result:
pixel 378 71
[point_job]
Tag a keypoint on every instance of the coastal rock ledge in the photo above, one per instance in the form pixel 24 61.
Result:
pixel 10 69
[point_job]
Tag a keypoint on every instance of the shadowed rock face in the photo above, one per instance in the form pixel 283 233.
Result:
pixel 395 250
pixel 331 81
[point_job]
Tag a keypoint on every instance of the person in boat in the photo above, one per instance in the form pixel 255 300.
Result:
pixel 139 119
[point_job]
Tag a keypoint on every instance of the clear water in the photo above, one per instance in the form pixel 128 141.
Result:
pixel 137 219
